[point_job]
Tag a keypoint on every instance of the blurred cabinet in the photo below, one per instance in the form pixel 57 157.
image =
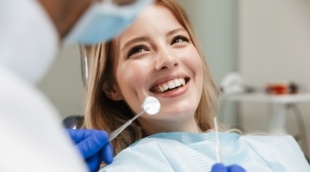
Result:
pixel 279 105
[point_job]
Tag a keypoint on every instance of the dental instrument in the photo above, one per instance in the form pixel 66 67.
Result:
pixel 217 142
pixel 150 105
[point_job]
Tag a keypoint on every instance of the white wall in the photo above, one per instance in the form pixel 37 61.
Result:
pixel 215 22
pixel 63 83
pixel 274 45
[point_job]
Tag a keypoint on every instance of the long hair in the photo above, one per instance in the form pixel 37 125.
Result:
pixel 105 114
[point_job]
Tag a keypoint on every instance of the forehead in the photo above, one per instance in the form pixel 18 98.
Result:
pixel 155 19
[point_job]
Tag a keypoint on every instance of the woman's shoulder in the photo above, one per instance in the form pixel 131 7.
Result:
pixel 188 139
pixel 275 140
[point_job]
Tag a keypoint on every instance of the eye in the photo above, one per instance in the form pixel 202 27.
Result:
pixel 179 39
pixel 136 50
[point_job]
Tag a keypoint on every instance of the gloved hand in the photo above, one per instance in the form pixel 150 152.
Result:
pixel 94 146
pixel 219 167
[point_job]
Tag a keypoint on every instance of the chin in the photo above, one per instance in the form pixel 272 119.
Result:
pixel 180 112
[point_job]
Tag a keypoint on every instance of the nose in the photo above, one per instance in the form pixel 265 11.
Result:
pixel 165 60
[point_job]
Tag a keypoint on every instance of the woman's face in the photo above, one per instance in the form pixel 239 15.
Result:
pixel 155 57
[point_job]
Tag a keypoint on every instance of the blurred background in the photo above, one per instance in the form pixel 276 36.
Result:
pixel 263 41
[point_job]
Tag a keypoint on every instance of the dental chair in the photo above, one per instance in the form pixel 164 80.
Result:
pixel 73 122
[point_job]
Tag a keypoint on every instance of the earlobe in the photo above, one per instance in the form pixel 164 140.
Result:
pixel 111 92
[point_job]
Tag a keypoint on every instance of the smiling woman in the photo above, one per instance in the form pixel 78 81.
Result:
pixel 164 51
pixel 159 56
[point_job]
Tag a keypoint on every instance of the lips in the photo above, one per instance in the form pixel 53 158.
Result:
pixel 169 85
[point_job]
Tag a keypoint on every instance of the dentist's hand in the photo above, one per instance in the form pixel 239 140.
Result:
pixel 221 168
pixel 94 146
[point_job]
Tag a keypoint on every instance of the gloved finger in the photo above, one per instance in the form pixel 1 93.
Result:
pixel 93 163
pixel 74 135
pixel 79 135
pixel 235 168
pixel 93 143
pixel 219 167
pixel 106 153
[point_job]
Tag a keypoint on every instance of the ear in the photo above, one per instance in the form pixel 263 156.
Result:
pixel 111 91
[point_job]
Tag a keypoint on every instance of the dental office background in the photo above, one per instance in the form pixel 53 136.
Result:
pixel 265 41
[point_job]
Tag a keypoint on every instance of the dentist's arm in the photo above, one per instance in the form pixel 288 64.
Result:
pixel 93 145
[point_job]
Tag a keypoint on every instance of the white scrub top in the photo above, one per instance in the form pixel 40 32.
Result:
pixel 32 138
pixel 189 152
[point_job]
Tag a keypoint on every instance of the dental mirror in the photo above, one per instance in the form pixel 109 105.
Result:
pixel 150 105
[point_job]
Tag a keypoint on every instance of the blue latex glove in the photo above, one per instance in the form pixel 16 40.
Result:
pixel 94 146
pixel 219 167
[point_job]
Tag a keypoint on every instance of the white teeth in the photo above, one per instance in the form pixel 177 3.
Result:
pixel 177 82
pixel 161 88
pixel 165 86
pixel 171 84
pixel 182 80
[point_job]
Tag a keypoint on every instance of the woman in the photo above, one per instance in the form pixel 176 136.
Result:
pixel 159 56
pixel 104 86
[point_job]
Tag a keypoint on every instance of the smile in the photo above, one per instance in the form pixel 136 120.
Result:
pixel 169 85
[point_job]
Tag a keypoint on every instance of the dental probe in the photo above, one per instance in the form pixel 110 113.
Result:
pixel 217 144
pixel 150 105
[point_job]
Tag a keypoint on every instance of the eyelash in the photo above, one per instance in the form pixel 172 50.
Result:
pixel 135 50
pixel 184 39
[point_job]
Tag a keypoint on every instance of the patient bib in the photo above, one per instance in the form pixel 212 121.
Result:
pixel 189 152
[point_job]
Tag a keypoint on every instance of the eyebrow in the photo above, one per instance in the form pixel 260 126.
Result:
pixel 175 31
pixel 145 38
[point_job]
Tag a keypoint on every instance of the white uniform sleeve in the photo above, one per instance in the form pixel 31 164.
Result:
pixel 32 138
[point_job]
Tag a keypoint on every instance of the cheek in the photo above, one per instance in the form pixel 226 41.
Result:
pixel 194 64
pixel 129 77
pixel 193 61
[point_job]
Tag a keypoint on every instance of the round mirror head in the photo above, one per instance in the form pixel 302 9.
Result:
pixel 151 105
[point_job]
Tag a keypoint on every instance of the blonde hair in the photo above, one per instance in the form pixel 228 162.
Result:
pixel 105 114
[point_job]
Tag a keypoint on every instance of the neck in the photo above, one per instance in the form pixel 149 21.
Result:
pixel 157 126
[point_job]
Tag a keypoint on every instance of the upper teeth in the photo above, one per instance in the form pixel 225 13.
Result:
pixel 171 84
